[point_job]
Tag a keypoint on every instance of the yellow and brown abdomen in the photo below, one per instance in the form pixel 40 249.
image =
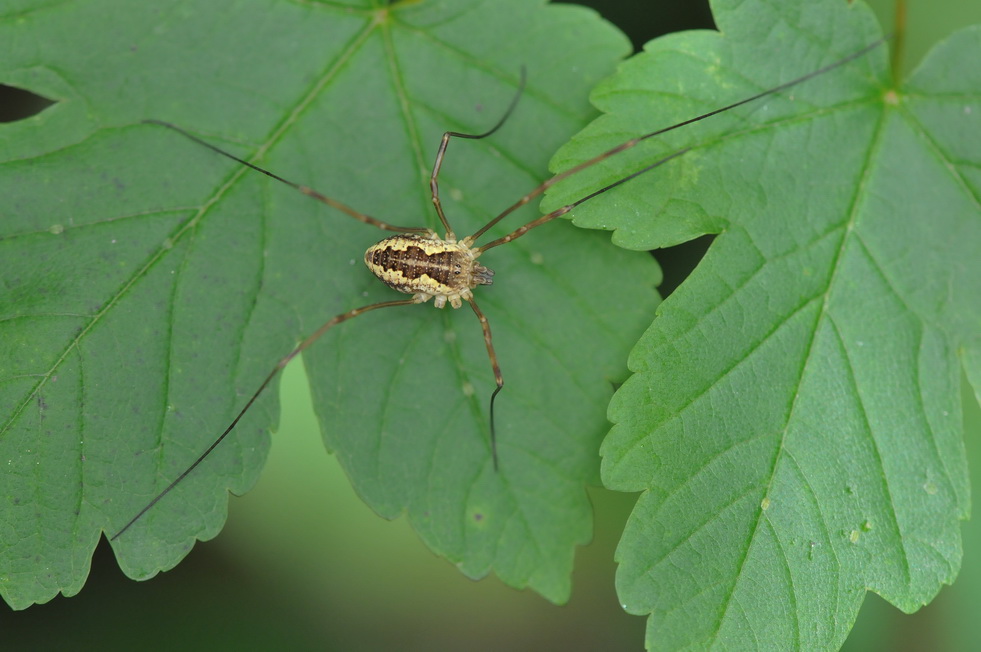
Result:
pixel 417 264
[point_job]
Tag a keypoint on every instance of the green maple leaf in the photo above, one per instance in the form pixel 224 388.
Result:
pixel 149 285
pixel 794 417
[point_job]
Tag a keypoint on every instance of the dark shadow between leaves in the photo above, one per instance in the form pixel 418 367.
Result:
pixel 19 104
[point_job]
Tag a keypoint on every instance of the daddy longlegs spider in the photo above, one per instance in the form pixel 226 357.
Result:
pixel 420 263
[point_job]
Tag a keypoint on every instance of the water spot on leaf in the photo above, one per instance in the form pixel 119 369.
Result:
pixel 810 551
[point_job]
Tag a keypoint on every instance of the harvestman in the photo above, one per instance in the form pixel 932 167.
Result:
pixel 420 263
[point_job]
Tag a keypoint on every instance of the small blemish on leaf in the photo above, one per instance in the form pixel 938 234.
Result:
pixel 468 389
pixel 867 525
pixel 56 229
pixel 891 98
pixel 765 504
pixel 929 487
pixel 537 258
pixel 853 537
pixel 456 194
pixel 478 517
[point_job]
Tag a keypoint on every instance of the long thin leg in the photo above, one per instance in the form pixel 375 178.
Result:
pixel 521 230
pixel 636 141
pixel 434 186
pixel 351 314
pixel 498 378
pixel 310 192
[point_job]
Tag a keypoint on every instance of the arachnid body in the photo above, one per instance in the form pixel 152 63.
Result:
pixel 428 267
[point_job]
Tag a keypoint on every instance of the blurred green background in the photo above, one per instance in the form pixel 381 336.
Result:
pixel 303 564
